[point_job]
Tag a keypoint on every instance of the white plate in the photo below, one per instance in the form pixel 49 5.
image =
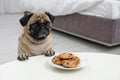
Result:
pixel 83 63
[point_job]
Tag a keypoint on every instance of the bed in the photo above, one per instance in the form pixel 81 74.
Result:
pixel 95 20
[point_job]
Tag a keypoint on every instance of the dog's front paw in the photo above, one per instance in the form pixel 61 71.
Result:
pixel 22 57
pixel 50 53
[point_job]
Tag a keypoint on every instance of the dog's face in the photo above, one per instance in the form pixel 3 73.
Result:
pixel 38 25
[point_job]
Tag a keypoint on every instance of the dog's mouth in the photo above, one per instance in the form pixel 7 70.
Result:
pixel 39 31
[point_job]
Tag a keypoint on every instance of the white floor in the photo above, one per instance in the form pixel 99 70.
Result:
pixel 10 29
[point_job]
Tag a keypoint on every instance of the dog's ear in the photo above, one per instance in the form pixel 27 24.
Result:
pixel 52 18
pixel 25 18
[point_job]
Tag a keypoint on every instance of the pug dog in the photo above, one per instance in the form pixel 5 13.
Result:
pixel 35 38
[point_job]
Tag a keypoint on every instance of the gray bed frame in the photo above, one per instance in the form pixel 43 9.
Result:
pixel 97 29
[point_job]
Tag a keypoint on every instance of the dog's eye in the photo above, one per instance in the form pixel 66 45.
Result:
pixel 47 23
pixel 33 25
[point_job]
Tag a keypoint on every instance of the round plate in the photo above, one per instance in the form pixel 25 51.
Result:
pixel 83 62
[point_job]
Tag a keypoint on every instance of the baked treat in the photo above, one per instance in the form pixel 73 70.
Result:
pixel 65 56
pixel 57 60
pixel 77 59
pixel 67 60
pixel 69 63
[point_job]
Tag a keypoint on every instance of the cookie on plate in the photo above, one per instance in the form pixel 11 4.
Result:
pixel 77 59
pixel 57 60
pixel 65 56
pixel 69 63
pixel 67 60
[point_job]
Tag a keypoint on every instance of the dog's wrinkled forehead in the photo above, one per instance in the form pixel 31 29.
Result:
pixel 42 17
pixel 30 17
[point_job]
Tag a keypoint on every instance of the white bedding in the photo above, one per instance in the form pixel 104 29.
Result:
pixel 58 7
pixel 107 8
pixel 104 8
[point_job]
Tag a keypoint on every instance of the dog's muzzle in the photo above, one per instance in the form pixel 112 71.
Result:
pixel 39 31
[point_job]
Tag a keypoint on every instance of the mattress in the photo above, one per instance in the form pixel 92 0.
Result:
pixel 109 9
pixel 97 29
